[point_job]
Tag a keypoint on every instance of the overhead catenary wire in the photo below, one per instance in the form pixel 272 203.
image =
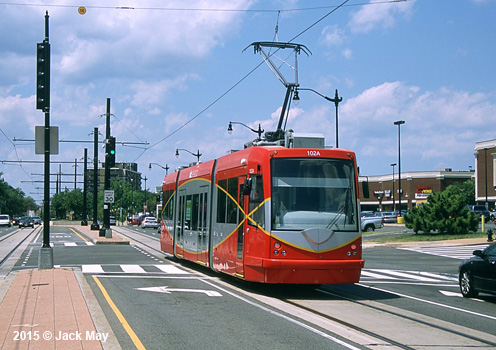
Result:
pixel 238 82
pixel 192 9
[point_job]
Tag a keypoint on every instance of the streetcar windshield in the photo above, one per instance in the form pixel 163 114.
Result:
pixel 313 193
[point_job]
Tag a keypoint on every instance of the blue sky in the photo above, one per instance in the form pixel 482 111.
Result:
pixel 169 65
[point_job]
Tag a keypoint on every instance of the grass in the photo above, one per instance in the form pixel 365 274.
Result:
pixel 427 237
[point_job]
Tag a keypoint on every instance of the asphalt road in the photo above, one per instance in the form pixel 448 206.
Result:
pixel 174 305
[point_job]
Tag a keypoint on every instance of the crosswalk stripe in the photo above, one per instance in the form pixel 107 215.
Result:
pixel 454 252
pixel 70 244
pixel 369 275
pixel 132 269
pixel 92 269
pixel 408 275
pixel 375 275
pixel 171 269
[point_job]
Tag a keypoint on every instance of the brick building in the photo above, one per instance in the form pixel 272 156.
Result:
pixel 416 188
pixel 485 159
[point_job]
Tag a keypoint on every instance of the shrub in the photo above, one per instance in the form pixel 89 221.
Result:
pixel 446 211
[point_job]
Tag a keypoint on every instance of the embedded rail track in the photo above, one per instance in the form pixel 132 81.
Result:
pixel 358 322
pixel 13 240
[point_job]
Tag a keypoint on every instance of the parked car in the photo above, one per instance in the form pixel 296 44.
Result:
pixel 135 220
pixel 388 216
pixel 5 220
pixel 481 210
pixel 149 221
pixel 371 223
pixel 37 220
pixel 478 274
pixel 26 221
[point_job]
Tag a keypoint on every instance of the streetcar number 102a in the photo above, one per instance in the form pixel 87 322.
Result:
pixel 313 153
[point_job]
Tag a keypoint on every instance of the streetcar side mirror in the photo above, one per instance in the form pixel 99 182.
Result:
pixel 247 186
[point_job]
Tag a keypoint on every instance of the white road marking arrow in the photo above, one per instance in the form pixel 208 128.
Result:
pixel 453 294
pixel 167 290
pixel 450 294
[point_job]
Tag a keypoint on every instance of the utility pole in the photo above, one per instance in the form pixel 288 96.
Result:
pixel 84 221
pixel 94 225
pixel 45 259
pixel 107 231
pixel 336 101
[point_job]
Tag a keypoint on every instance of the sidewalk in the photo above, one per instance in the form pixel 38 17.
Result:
pixel 54 308
pixel 94 235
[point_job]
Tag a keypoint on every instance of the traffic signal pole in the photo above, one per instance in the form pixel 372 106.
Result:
pixel 107 231
pixel 45 259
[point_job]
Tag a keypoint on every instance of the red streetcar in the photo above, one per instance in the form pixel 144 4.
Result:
pixel 283 210
pixel 268 214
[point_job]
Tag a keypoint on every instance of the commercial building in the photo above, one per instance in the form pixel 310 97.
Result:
pixel 485 158
pixel 416 188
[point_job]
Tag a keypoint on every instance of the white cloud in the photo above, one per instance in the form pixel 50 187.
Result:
pixel 332 36
pixel 369 17
pixel 441 126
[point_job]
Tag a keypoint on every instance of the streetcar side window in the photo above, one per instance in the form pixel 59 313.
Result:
pixel 227 205
pixel 168 202
pixel 187 216
pixel 194 212
pixel 232 207
pixel 221 201
pixel 256 198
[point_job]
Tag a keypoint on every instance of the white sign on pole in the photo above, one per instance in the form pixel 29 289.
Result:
pixel 108 196
pixel 39 140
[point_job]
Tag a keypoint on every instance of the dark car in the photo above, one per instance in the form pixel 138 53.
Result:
pixel 481 210
pixel 478 274
pixel 26 221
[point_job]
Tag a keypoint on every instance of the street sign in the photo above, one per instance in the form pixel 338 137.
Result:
pixel 108 196
pixel 39 140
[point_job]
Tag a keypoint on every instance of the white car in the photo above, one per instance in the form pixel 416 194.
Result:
pixel 5 220
pixel 149 221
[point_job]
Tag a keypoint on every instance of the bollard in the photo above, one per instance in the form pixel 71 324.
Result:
pixel 489 235
pixel 483 223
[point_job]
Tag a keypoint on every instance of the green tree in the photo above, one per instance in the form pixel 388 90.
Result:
pixel 68 202
pixel 13 201
pixel 446 211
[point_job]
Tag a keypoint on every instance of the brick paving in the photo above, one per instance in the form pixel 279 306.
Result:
pixel 46 308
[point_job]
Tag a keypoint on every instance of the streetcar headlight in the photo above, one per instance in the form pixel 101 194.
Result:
pixel 276 252
pixel 349 253
pixel 284 253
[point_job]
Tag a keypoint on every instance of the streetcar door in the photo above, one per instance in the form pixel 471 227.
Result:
pixel 242 225
pixel 181 218
pixel 203 227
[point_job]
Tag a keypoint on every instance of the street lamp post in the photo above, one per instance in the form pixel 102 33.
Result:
pixel 394 207
pixel 166 168
pixel 399 123
pixel 197 154
pixel 259 131
pixel 336 101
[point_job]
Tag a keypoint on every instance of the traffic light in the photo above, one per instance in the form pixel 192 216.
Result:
pixel 111 152
pixel 42 75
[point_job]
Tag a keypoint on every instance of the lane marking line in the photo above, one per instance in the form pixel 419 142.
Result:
pixel 125 324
